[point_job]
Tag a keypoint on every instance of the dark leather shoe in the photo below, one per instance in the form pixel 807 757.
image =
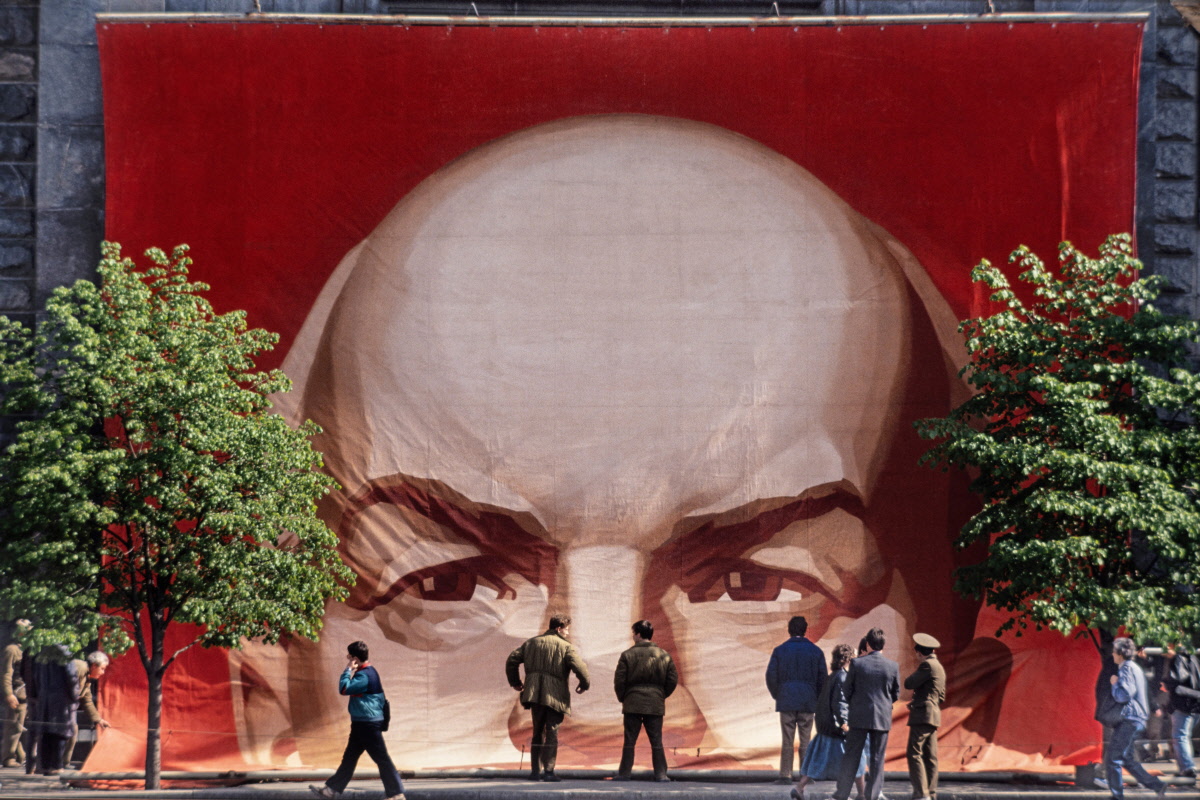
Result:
pixel 550 777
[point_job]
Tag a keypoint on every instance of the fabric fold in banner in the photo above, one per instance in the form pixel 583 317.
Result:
pixel 623 323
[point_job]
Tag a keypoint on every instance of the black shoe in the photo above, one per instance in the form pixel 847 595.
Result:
pixel 1187 773
pixel 550 777
pixel 784 780
pixel 662 779
pixel 535 776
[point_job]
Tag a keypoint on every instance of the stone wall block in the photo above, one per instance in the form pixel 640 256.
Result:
pixel 1177 47
pixel 1175 201
pixel 304 6
pixel 1176 121
pixel 71 22
pixel 1180 273
pixel 15 259
pixel 15 295
pixel 1174 240
pixel 16 222
pixel 16 185
pixel 71 166
pixel 1172 160
pixel 18 26
pixel 16 143
pixel 70 85
pixel 17 102
pixel 1167 17
pixel 1177 84
pixel 17 65
pixel 68 247
pixel 186 6
pixel 1179 303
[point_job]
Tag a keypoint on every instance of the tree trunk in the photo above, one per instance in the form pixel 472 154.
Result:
pixel 154 679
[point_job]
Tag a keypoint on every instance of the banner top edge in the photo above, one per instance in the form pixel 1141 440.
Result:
pixel 605 21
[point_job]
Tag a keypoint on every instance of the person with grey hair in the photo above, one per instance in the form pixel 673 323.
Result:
pixel 1129 690
pixel 88 672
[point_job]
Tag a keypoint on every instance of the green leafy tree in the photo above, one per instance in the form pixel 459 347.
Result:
pixel 1082 442
pixel 150 484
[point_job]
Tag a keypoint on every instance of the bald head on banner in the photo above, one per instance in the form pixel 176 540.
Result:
pixel 628 366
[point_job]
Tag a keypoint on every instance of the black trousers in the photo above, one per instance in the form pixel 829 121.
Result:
pixel 543 751
pixel 633 726
pixel 367 736
pixel 856 739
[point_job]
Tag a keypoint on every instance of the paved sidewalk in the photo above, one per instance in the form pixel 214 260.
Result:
pixel 15 785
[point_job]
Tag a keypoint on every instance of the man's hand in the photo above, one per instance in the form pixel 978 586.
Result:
pixel 517 686
pixel 102 724
pixel 580 689
pixel 1113 680
pixel 12 701
pixel 352 663
pixel 846 727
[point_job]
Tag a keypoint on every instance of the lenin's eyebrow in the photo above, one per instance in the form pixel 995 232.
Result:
pixel 698 550
pixel 495 531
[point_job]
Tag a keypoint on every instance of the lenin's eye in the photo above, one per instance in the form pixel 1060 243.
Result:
pixel 745 581
pixel 457 580
pixel 752 585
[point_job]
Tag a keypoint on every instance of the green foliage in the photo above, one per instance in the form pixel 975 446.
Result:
pixel 1083 446
pixel 150 481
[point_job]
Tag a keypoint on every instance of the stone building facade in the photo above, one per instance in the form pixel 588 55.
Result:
pixel 52 142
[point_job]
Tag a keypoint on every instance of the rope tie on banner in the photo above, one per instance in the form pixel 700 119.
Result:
pixel 969 752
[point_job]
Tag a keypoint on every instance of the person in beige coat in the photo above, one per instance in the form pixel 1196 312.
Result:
pixel 644 679
pixel 13 689
pixel 928 685
pixel 549 660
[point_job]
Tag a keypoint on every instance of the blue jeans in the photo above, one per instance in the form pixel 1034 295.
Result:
pixel 367 736
pixel 1120 755
pixel 1182 723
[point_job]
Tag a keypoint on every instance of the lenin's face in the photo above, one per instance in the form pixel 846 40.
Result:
pixel 624 367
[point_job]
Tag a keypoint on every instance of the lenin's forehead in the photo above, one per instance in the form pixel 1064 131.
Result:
pixel 654 293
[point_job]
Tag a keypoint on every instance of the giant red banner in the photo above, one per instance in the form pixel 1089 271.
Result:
pixel 623 321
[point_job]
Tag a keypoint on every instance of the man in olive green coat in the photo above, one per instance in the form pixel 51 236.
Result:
pixel 549 660
pixel 644 679
pixel 928 685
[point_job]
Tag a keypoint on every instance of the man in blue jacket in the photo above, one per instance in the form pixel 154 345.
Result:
pixel 368 721
pixel 795 674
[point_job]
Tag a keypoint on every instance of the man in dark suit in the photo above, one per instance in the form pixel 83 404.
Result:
pixel 872 686
pixel 928 685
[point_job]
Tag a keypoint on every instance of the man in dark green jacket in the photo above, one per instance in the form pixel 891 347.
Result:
pixel 644 679
pixel 549 660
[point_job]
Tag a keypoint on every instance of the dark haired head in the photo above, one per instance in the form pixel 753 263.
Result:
pixel 862 646
pixel 358 650
pixel 559 621
pixel 644 628
pixel 797 626
pixel 875 638
pixel 842 654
